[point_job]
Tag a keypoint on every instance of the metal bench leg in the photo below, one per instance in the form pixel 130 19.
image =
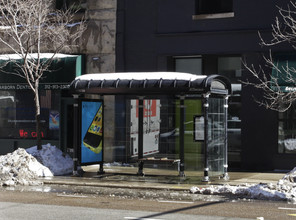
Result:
pixel 101 169
pixel 181 171
pixel 140 169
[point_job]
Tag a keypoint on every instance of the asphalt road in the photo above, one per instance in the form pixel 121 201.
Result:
pixel 40 205
pixel 12 211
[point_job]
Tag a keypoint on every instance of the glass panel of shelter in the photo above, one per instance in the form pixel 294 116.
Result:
pixel 161 127
pixel 216 144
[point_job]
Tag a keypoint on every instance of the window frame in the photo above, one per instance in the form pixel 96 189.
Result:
pixel 66 4
pixel 204 12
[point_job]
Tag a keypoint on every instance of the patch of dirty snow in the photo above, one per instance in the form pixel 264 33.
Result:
pixel 21 168
pixel 117 164
pixel 53 158
pixel 285 189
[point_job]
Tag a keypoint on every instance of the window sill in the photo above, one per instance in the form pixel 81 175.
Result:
pixel 213 16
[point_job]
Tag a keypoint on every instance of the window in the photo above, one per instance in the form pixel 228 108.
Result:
pixel 230 67
pixel 76 5
pixel 17 114
pixel 213 6
pixel 287 131
pixel 189 65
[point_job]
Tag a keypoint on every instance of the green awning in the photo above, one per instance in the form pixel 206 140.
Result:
pixel 63 70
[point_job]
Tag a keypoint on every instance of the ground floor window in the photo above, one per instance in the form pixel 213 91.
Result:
pixel 190 64
pixel 287 131
pixel 17 114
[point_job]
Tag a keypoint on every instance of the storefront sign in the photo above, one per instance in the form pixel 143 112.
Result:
pixel 55 86
pixel 91 132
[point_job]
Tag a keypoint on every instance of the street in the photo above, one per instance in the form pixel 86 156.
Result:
pixel 36 211
pixel 25 205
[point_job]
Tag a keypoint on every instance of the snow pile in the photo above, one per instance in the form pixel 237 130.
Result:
pixel 258 191
pixel 53 158
pixel 22 168
pixel 285 189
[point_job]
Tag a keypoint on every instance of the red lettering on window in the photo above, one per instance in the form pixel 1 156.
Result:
pixel 25 134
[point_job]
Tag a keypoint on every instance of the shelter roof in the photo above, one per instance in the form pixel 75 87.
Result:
pixel 145 83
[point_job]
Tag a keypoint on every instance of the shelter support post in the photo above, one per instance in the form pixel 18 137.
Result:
pixel 206 137
pixel 181 137
pixel 140 135
pixel 225 175
pixel 75 135
pixel 101 169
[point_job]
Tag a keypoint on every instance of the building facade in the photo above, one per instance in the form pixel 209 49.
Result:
pixel 96 53
pixel 213 37
pixel 202 37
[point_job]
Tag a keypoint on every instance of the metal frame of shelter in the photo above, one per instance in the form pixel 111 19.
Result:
pixel 146 84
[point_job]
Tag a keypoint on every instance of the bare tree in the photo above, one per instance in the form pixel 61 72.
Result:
pixel 29 28
pixel 283 31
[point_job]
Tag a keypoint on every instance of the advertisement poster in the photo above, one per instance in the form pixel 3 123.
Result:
pixel 199 133
pixel 54 120
pixel 91 132
pixel 151 126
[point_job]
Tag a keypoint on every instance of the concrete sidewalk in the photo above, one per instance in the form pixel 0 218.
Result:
pixel 125 177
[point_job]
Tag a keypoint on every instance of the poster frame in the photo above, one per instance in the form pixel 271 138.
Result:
pixel 80 155
pixel 198 131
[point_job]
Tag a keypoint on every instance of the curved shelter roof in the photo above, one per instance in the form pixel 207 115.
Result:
pixel 149 83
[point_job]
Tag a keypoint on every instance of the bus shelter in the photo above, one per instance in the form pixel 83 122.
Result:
pixel 152 117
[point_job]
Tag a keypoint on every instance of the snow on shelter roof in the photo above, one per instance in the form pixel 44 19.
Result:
pixel 150 83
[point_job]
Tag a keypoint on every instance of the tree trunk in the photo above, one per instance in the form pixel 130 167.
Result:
pixel 39 145
pixel 37 116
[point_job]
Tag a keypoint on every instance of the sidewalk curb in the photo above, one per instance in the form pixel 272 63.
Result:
pixel 124 182
pixel 116 185
pixel 80 181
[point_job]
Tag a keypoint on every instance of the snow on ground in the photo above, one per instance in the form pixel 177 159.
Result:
pixel 285 189
pixel 23 167
pixel 52 157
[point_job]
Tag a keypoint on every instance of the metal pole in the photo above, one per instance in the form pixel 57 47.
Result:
pixel 181 137
pixel 225 175
pixel 140 135
pixel 75 135
pixel 101 169
pixel 206 138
